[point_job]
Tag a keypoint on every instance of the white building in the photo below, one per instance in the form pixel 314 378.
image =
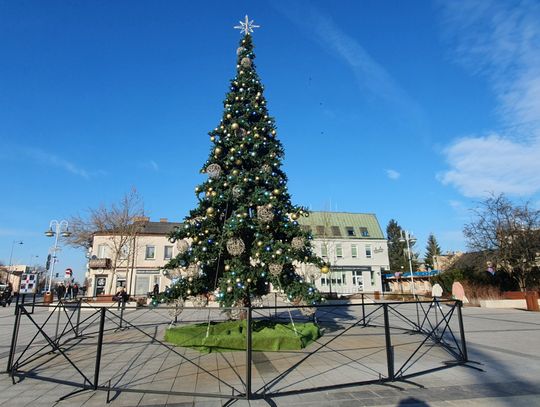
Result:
pixel 353 244
pixel 137 267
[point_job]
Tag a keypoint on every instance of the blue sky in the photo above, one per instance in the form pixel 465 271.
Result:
pixel 409 110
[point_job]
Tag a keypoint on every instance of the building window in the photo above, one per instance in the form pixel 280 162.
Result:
pixel 167 254
pixel 354 251
pixel 102 251
pixel 320 230
pixel 142 284
pixel 324 250
pixel 343 278
pixel 121 282
pixel 364 231
pixel 339 250
pixel 368 251
pixel 124 251
pixel 357 279
pixel 323 281
pixel 372 278
pixel 350 231
pixel 150 253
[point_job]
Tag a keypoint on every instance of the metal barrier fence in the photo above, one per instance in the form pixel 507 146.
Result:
pixel 117 349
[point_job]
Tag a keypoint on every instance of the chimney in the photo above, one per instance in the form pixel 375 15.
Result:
pixel 163 220
pixel 141 219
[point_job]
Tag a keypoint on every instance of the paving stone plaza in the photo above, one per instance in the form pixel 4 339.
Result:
pixel 502 349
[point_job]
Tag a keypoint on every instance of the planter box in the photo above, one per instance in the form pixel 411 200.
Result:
pixel 519 304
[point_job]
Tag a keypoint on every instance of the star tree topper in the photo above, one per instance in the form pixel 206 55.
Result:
pixel 246 26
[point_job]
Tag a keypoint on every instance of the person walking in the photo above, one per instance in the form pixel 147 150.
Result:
pixel 75 290
pixel 69 291
pixel 121 297
pixel 155 291
pixel 60 291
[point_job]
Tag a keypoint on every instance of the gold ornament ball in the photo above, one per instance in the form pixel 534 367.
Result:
pixel 227 267
pixel 237 280
pixel 238 161
pixel 276 191
pixel 235 126
pixel 190 279
pixel 294 216
pixel 325 269
pixel 212 138
pixel 249 280
pixel 259 243
pixel 217 150
pixel 214 193
pixel 235 172
pixel 256 135
pixel 229 289
pixel 279 252
pixel 188 292
pixel 229 115
pixel 209 211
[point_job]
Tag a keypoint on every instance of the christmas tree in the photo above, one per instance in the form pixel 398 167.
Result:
pixel 244 232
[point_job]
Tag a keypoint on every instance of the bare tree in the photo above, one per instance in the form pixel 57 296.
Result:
pixel 120 223
pixel 508 235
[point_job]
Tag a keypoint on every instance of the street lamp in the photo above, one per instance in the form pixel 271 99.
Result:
pixel 60 229
pixel 11 257
pixel 407 237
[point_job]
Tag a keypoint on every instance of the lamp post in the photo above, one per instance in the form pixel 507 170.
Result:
pixel 11 257
pixel 409 239
pixel 60 229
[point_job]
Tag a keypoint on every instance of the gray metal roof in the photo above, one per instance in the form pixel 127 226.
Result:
pixel 158 228
pixel 338 224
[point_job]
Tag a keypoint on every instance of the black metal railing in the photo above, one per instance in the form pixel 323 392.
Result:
pixel 117 349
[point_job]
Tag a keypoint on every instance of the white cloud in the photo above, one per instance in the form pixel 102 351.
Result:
pixel 482 165
pixel 55 161
pixel 501 42
pixel 370 75
pixel 151 165
pixel 392 174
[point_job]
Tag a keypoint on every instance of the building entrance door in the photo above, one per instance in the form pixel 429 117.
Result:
pixel 101 283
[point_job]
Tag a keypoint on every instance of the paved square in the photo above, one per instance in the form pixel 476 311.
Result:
pixel 503 342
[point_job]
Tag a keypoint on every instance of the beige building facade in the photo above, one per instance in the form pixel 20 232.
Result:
pixel 352 244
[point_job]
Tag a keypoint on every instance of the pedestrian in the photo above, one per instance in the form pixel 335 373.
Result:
pixel 9 293
pixel 75 290
pixel 60 291
pixel 121 297
pixel 155 291
pixel 83 289
pixel 69 291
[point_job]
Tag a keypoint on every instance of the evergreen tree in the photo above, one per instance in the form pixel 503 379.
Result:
pixel 432 249
pixel 244 232
pixel 396 252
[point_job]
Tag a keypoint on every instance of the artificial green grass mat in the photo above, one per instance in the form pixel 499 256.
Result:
pixel 231 336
